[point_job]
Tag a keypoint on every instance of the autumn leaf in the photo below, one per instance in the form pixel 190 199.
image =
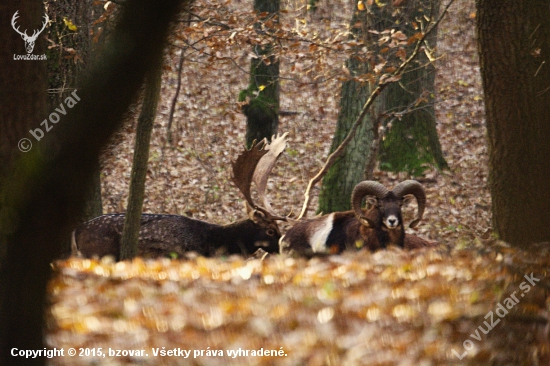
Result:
pixel 400 36
pixel 401 54
pixel 415 37
pixel 70 24
pixel 379 67
pixel 387 78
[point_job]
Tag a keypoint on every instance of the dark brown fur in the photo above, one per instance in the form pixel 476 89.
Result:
pixel 162 235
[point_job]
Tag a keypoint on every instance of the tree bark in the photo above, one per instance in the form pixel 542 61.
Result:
pixel 68 56
pixel 67 62
pixel 349 169
pixel 262 95
pixel 514 48
pixel 132 220
pixel 41 192
pixel 23 105
pixel 411 143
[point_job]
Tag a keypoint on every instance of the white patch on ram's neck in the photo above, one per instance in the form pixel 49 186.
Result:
pixel 322 231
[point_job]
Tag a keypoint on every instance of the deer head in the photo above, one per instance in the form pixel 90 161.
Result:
pixel 29 40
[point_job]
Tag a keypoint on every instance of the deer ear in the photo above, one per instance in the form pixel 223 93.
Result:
pixel 255 215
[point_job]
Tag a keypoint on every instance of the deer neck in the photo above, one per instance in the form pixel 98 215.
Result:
pixel 234 237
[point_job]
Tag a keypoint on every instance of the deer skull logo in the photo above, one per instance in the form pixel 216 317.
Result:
pixel 29 41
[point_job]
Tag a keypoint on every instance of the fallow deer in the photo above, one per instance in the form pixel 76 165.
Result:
pixel 162 235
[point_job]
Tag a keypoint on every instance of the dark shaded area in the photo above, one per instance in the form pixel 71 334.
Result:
pixel 42 193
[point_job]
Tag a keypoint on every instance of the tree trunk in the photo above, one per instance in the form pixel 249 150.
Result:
pixel 132 220
pixel 514 47
pixel 68 56
pixel 262 95
pixel 411 143
pixel 67 61
pixel 349 169
pixel 41 191
pixel 23 106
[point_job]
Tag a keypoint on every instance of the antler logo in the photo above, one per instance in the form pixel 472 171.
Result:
pixel 29 41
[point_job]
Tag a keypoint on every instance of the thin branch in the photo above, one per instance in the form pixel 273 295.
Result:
pixel 174 100
pixel 372 97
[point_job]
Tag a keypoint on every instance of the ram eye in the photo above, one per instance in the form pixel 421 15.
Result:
pixel 270 232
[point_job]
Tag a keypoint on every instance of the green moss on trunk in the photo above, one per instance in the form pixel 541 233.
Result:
pixel 261 98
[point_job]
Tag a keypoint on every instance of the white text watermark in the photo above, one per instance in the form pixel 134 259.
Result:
pixel 501 311
pixel 38 133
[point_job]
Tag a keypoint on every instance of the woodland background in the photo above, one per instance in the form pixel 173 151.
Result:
pixel 192 177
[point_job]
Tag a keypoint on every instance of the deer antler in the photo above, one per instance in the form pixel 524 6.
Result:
pixel 265 166
pixel 243 169
pixel 24 34
pixel 256 165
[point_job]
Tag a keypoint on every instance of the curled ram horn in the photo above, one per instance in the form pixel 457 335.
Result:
pixel 366 188
pixel 412 187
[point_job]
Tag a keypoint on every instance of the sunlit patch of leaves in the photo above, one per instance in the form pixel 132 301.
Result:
pixel 355 308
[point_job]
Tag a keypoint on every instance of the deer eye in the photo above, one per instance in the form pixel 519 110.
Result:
pixel 270 232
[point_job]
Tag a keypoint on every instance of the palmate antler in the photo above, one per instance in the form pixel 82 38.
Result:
pixel 255 165
pixel 265 166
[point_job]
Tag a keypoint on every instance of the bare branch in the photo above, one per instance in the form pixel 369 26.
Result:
pixel 174 100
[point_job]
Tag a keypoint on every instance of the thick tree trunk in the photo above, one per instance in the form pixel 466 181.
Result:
pixel 413 140
pixel 68 57
pixel 23 105
pixel 411 143
pixel 41 192
pixel 262 94
pixel 349 168
pixel 132 220
pixel 514 47
pixel 70 32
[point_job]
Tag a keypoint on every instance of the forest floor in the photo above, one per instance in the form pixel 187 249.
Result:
pixel 426 307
